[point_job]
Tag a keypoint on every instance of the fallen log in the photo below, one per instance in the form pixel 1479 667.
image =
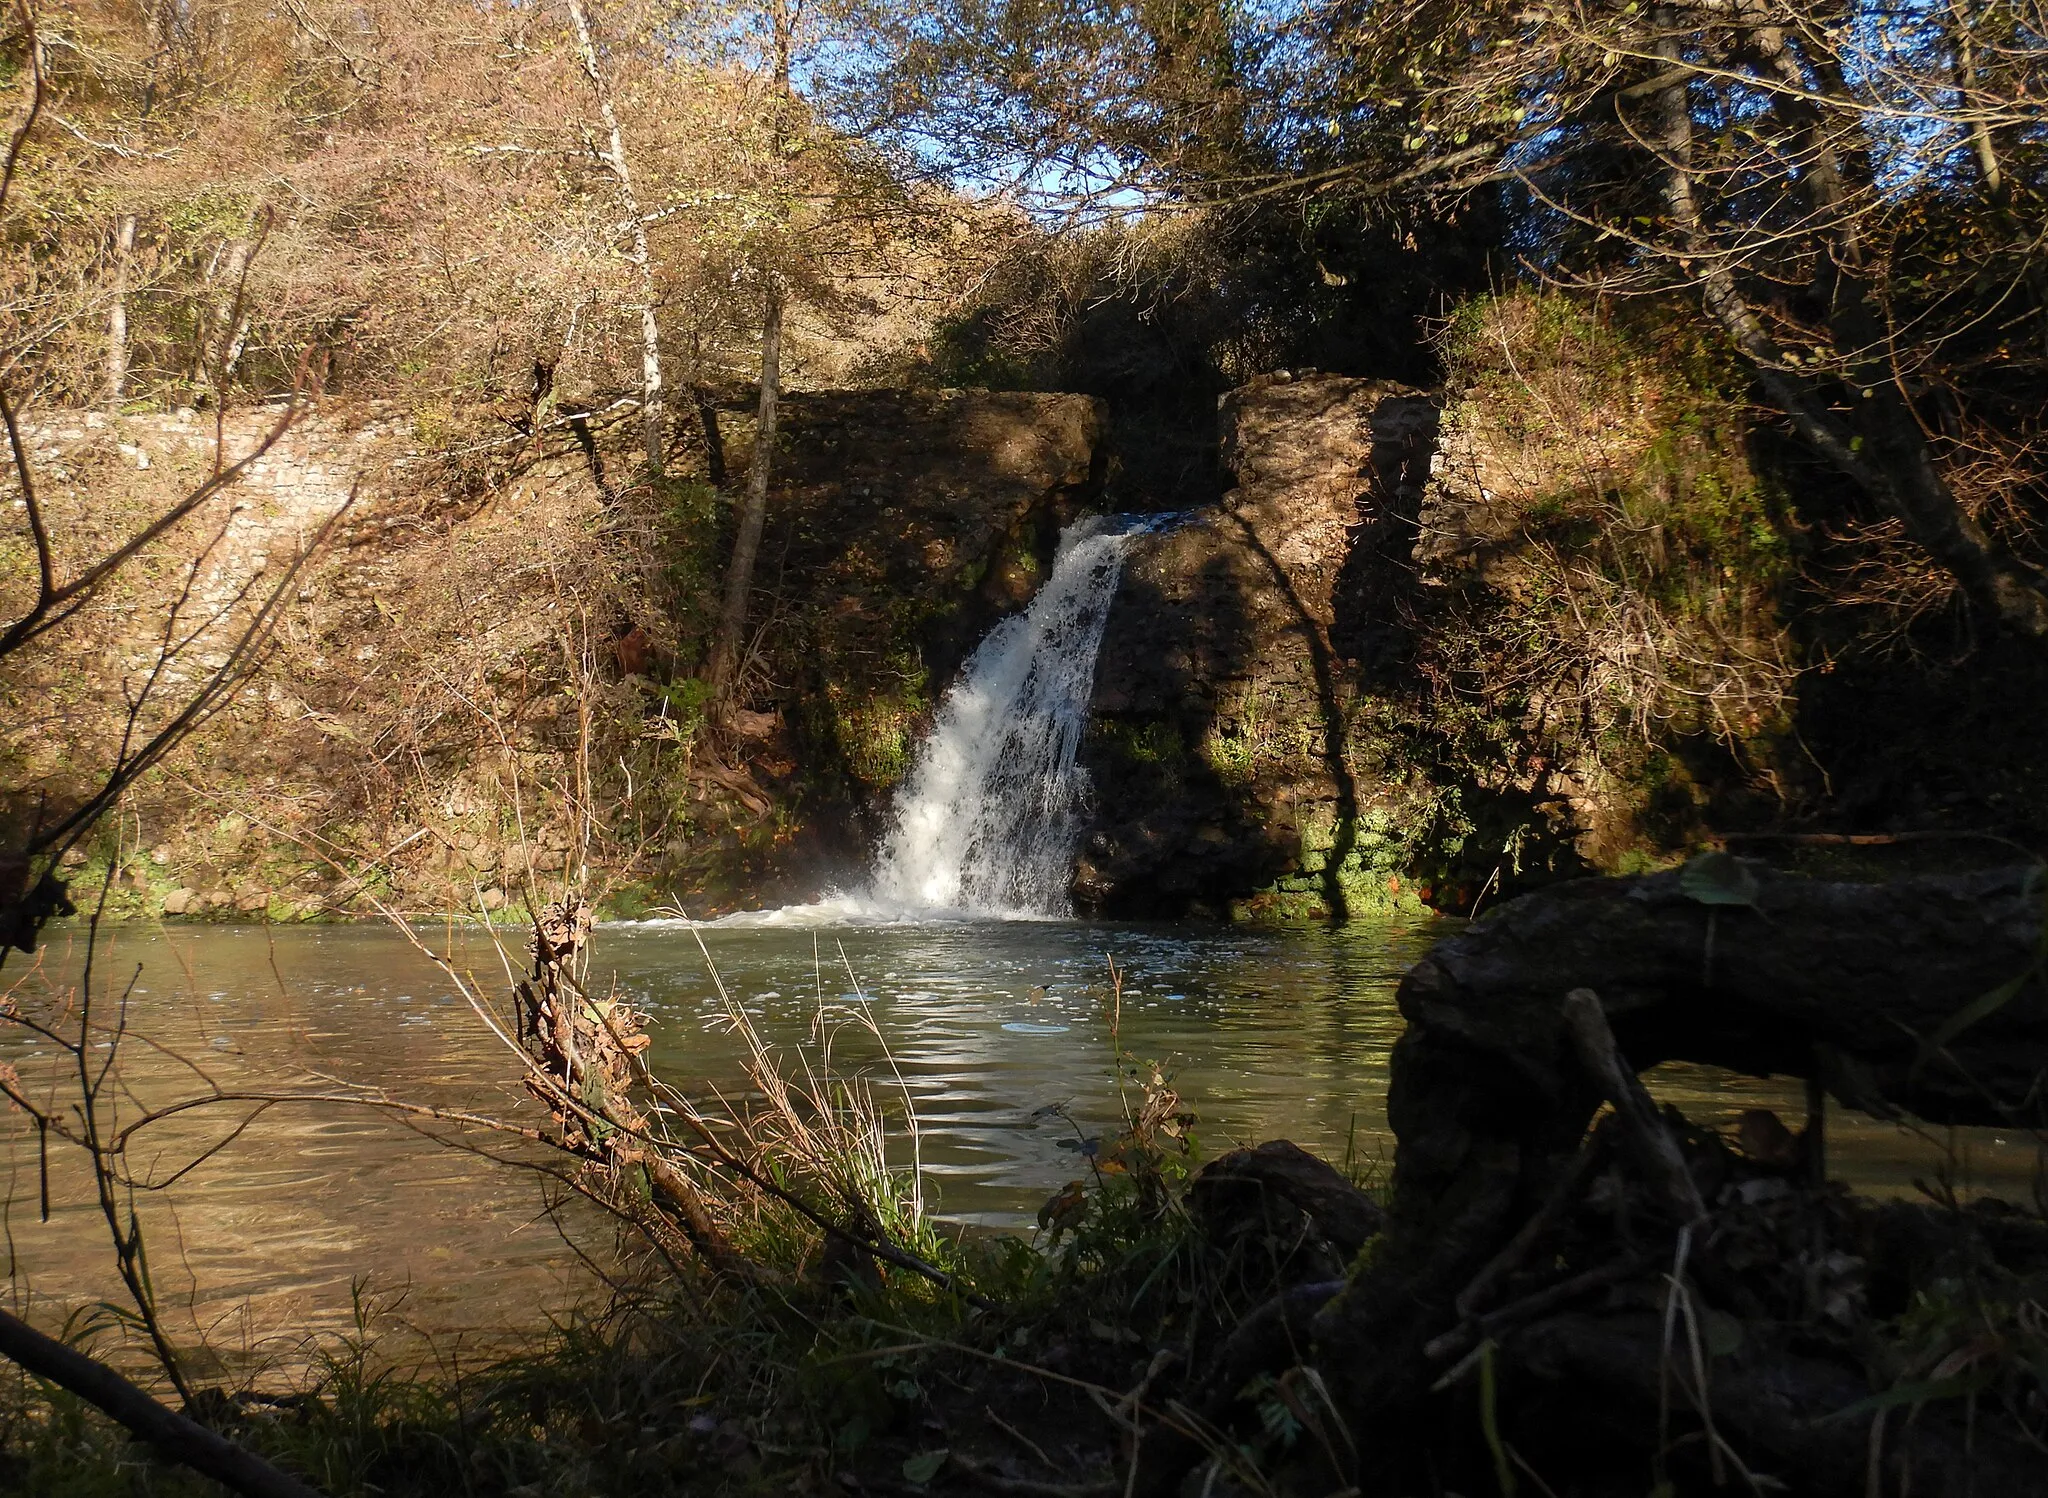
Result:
pixel 176 1436
pixel 1863 973
pixel 1921 995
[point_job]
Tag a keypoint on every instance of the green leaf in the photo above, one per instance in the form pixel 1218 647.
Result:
pixel 1719 879
pixel 923 1467
pixel 1981 1007
pixel 1922 1392
pixel 1489 1421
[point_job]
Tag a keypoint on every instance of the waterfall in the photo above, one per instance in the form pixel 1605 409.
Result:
pixel 987 821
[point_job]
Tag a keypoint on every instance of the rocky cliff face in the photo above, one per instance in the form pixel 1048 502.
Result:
pixel 1230 767
pixel 1441 648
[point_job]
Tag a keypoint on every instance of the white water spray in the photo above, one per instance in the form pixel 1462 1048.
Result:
pixel 987 821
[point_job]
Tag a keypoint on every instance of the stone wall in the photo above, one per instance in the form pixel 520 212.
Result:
pixel 412 735
pixel 302 468
pixel 903 525
pixel 1232 775
pixel 1441 648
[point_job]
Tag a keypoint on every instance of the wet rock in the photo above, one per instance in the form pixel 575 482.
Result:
pixel 1221 746
pixel 1278 1190
pixel 905 524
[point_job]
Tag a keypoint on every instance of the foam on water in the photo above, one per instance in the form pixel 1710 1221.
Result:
pixel 985 825
pixel 987 822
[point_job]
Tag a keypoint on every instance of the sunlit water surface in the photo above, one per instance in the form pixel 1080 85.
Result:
pixel 1000 1033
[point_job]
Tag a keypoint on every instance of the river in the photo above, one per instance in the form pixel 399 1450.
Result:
pixel 1000 1031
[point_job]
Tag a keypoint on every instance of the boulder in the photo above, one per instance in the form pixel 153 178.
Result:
pixel 1279 1191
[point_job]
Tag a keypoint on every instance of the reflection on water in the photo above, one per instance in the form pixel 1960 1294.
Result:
pixel 1265 1033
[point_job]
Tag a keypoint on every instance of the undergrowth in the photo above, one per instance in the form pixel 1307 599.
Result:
pixel 1605 666
pixel 779 1359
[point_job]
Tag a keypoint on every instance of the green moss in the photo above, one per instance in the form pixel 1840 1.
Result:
pixel 1153 742
pixel 1638 641
pixel 1269 727
pixel 878 736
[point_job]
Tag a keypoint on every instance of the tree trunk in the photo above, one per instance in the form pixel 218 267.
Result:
pixel 228 318
pixel 1989 170
pixel 1922 995
pixel 653 428
pixel 1882 448
pixel 117 315
pixel 226 329
pixel 739 574
pixel 746 546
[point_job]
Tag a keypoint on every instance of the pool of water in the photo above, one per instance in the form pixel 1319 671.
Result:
pixel 998 1033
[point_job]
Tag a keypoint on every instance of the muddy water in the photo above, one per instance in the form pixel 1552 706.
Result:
pixel 1000 1032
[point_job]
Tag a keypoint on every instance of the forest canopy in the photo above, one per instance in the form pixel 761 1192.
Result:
pixel 1849 195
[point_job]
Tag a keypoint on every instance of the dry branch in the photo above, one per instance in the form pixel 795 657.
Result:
pixel 181 1439
pixel 1642 1125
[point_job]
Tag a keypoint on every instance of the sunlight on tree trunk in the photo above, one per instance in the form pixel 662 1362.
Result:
pixel 117 315
pixel 652 426
pixel 746 547
pixel 229 322
pixel 739 576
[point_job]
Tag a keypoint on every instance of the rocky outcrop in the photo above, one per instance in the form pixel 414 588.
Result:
pixel 1225 749
pixel 1447 647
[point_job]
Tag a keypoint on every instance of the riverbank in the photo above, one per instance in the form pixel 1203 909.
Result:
pixel 1018 1353
pixel 1159 1305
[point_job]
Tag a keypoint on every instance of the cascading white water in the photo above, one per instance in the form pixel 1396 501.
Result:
pixel 987 821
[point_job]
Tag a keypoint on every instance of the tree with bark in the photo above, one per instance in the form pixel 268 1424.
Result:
pixel 653 426
pixel 729 641
pixel 1805 173
pixel 1850 195
pixel 828 208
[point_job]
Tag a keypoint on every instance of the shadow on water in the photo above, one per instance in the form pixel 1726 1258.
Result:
pixel 1265 1033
